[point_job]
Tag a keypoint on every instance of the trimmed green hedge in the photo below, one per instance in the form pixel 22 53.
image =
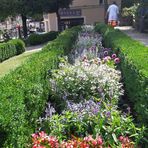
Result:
pixel 134 67
pixel 36 39
pixel 24 92
pixel 11 48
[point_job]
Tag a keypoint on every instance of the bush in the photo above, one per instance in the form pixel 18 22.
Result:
pixel 19 44
pixel 11 48
pixel 65 40
pixel 134 67
pixel 24 93
pixel 36 39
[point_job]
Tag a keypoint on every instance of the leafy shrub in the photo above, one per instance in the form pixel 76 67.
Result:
pixel 24 93
pixel 11 48
pixel 19 44
pixel 134 67
pixel 36 39
pixel 65 40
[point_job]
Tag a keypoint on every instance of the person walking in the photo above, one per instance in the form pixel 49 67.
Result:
pixel 112 14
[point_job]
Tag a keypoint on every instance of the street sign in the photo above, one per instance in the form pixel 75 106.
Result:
pixel 70 12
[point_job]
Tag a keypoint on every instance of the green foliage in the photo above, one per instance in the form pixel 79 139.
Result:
pixel 19 45
pixel 65 40
pixel 134 67
pixel 131 11
pixel 36 39
pixel 69 124
pixel 127 3
pixel 11 48
pixel 24 93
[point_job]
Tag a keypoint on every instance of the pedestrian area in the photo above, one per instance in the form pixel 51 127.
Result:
pixel 130 31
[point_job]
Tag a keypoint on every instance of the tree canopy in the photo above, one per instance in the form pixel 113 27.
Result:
pixel 129 3
pixel 27 8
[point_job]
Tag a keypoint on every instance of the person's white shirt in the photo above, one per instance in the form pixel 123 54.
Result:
pixel 113 12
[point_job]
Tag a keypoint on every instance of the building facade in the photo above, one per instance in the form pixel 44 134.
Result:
pixel 80 12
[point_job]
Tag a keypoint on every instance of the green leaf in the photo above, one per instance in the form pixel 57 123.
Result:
pixel 115 138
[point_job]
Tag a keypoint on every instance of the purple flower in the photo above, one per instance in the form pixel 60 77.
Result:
pixel 114 56
pixel 108 114
pixel 105 53
pixel 117 60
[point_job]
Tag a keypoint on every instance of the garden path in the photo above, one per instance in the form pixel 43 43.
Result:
pixel 142 37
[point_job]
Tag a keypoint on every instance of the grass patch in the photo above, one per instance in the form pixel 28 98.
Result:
pixel 14 62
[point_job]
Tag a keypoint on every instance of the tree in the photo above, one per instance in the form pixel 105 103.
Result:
pixel 129 3
pixel 27 8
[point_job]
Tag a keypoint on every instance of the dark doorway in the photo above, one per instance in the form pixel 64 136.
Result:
pixel 70 22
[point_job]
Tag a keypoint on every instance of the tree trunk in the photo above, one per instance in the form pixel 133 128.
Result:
pixel 106 7
pixel 24 21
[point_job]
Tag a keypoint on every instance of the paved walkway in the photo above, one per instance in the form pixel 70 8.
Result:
pixel 34 48
pixel 142 37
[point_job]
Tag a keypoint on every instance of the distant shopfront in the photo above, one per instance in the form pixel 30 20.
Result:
pixel 70 18
pixel 80 12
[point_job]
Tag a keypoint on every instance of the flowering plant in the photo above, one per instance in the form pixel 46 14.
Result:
pixel 86 79
pixel 42 140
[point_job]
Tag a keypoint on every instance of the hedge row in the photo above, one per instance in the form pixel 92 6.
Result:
pixel 36 39
pixel 11 48
pixel 134 67
pixel 24 92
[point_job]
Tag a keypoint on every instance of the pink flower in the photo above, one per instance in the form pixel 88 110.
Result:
pixel 121 138
pixel 94 142
pixel 99 141
pixel 42 134
pixel 34 136
pixel 114 56
pixel 108 57
pixel 105 59
pixel 117 60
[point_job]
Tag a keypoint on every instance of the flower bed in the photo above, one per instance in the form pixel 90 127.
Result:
pixel 82 110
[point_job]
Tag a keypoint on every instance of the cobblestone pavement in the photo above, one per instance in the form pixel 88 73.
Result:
pixel 142 37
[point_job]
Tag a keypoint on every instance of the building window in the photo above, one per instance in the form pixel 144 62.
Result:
pixel 101 2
